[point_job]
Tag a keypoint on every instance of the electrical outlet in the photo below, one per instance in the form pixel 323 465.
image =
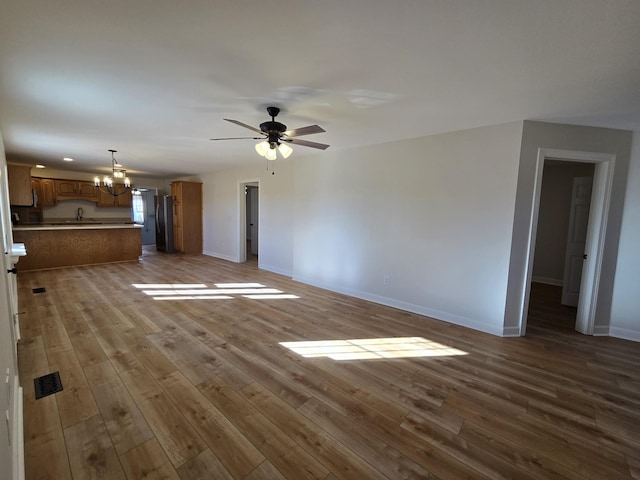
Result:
pixel 386 280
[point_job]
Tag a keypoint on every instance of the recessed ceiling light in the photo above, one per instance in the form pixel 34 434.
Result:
pixel 67 159
pixel 40 166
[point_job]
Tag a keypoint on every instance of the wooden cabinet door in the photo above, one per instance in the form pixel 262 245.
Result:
pixel 36 186
pixel 125 200
pixel 75 190
pixel 65 188
pixel 105 199
pixel 178 232
pixel 48 186
pixel 45 190
pixel 176 192
pixel 187 216
pixel 19 178
pixel 86 190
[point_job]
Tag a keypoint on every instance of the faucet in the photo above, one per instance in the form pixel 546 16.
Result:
pixel 79 214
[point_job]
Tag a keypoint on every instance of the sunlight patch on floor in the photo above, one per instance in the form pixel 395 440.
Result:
pixel 201 291
pixel 372 348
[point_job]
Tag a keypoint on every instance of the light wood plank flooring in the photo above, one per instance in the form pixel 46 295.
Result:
pixel 200 387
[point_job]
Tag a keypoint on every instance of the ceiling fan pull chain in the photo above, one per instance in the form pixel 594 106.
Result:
pixel 273 170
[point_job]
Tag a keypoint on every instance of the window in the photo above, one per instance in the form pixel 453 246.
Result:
pixel 138 209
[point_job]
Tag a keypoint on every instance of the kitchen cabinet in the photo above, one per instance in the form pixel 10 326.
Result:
pixel 45 189
pixel 187 216
pixel 75 190
pixel 105 199
pixel 19 179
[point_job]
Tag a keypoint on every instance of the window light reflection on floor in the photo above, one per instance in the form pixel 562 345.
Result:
pixel 372 348
pixel 201 291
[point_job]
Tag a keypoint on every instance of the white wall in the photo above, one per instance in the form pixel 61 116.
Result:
pixel 568 137
pixel 444 217
pixel 625 306
pixel 434 214
pixel 223 198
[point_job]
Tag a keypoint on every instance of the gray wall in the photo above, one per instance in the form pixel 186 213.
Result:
pixel 538 135
pixel 625 308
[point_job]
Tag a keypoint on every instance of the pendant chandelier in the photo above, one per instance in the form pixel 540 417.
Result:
pixel 109 184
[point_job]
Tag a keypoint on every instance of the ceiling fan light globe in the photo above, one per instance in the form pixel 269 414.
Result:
pixel 271 154
pixel 262 148
pixel 285 150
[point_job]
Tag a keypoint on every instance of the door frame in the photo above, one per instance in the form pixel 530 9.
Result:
pixel 596 232
pixel 242 219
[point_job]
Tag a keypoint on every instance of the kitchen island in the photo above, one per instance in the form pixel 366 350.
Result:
pixel 66 244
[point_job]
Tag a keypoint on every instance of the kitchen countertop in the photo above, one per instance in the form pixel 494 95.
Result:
pixel 74 226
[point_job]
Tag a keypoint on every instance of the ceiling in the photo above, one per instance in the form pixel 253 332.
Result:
pixel 154 79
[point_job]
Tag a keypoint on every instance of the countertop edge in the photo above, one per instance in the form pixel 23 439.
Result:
pixel 28 228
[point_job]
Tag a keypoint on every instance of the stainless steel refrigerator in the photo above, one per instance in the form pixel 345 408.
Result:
pixel 164 223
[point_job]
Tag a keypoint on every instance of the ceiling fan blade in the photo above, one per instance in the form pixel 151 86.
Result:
pixel 239 138
pixel 257 130
pixel 296 132
pixel 305 143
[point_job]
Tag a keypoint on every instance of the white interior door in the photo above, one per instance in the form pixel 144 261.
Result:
pixel 576 240
pixel 11 432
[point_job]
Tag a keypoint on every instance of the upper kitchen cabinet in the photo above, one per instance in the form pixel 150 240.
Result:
pixel 75 190
pixel 19 179
pixel 45 189
pixel 187 216
pixel 105 199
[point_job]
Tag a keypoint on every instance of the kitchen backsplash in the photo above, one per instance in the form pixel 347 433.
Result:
pixel 69 209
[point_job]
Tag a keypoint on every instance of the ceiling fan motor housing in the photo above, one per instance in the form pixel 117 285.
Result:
pixel 274 130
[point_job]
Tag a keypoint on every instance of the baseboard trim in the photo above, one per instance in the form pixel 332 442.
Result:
pixel 221 256
pixel 269 268
pixel 279 271
pixel 625 334
pixel 511 332
pixel 601 331
pixel 547 281
pixel 408 307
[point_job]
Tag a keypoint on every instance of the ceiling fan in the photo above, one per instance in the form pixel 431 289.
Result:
pixel 276 136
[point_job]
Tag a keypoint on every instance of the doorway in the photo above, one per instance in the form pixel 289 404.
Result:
pixel 144 213
pixel 249 234
pixel 252 220
pixel 595 233
pixel 565 199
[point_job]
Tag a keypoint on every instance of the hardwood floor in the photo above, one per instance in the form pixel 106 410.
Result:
pixel 201 388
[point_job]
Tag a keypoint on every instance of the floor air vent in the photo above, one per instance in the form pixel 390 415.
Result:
pixel 39 290
pixel 47 384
